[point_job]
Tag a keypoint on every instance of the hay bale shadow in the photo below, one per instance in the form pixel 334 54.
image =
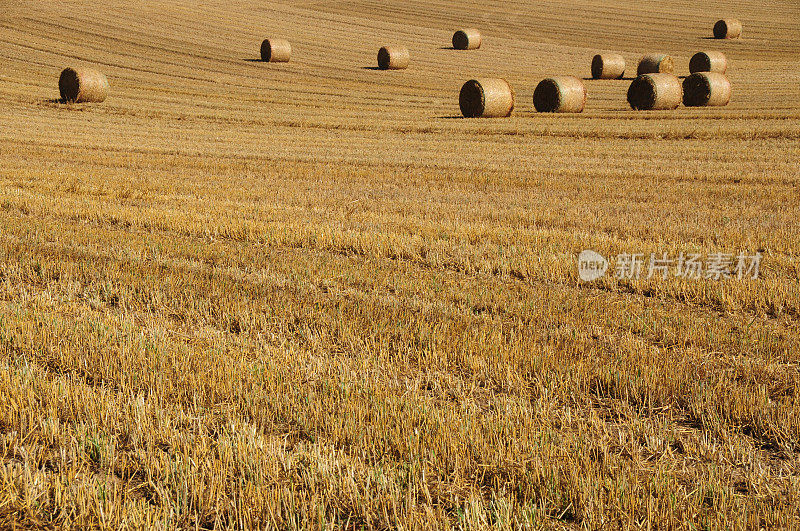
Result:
pixel 251 60
pixel 371 68
pixel 55 103
pixel 606 80
pixel 446 48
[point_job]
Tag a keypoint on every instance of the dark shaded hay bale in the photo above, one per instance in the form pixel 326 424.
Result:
pixel 708 62
pixel 727 28
pixel 655 64
pixel 710 89
pixel 467 39
pixel 608 66
pixel 276 51
pixel 487 98
pixel 393 58
pixel 560 94
pixel 81 85
pixel 655 92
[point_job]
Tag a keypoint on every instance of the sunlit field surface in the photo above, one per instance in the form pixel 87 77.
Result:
pixel 311 295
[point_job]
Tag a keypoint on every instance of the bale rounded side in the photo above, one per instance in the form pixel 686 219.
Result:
pixel 486 98
pixel 276 50
pixel 655 92
pixel 655 64
pixel 727 28
pixel 706 89
pixel 393 58
pixel 708 62
pixel 560 94
pixel 82 85
pixel 467 39
pixel 608 66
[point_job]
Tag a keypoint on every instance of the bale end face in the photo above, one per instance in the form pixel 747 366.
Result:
pixel 276 51
pixel 703 89
pixel 560 94
pixel 655 92
pixel 393 58
pixel 487 98
pixel 467 39
pixel 82 85
pixel 608 66
pixel 727 28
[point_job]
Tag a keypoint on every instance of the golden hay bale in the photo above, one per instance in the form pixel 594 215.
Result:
pixel 560 94
pixel 393 58
pixel 655 64
pixel 486 98
pixel 708 62
pixel 706 89
pixel 81 85
pixel 467 39
pixel 608 66
pixel 655 92
pixel 276 51
pixel 727 28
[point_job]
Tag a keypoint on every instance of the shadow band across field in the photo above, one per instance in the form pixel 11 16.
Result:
pixel 623 78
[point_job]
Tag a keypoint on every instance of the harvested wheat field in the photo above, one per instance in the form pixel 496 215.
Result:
pixel 306 295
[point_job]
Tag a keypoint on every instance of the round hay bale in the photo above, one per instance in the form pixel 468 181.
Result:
pixel 80 85
pixel 703 89
pixel 560 94
pixel 708 62
pixel 655 64
pixel 486 98
pixel 276 51
pixel 393 58
pixel 467 39
pixel 727 28
pixel 651 92
pixel 608 66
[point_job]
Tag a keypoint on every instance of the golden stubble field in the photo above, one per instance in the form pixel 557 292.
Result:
pixel 310 295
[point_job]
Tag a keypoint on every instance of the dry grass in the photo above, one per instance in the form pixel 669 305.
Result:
pixel 235 295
